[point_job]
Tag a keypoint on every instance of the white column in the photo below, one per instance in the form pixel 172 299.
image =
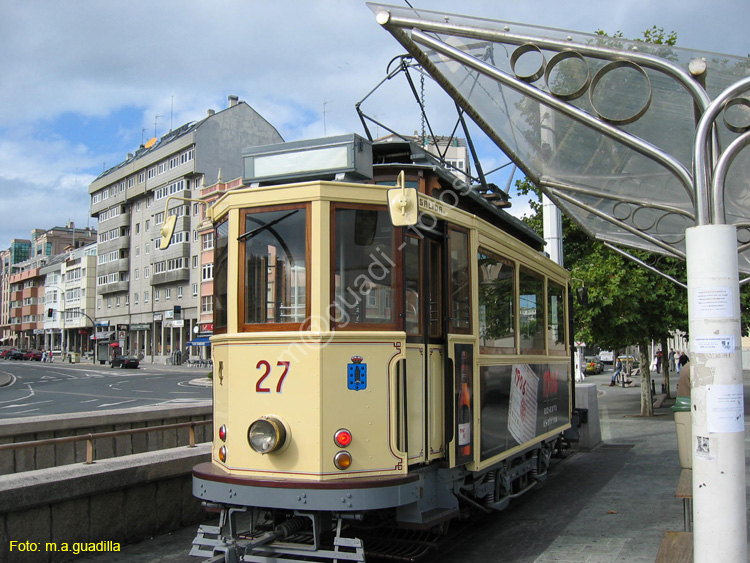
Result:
pixel 718 435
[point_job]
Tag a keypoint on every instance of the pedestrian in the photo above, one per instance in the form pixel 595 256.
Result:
pixel 671 359
pixel 50 357
pixel 618 369
pixel 44 356
pixel 683 384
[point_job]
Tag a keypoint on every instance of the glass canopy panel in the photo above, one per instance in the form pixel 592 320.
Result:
pixel 605 126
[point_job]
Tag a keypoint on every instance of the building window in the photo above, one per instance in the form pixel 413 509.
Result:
pixel 195 289
pixel 207 272
pixel 208 241
pixel 207 304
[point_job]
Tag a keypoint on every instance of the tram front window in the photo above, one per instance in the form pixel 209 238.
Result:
pixel 221 260
pixel 275 266
pixel 363 268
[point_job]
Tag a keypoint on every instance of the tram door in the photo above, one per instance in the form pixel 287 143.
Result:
pixel 425 347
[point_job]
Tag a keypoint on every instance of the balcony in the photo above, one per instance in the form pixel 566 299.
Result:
pixel 121 265
pixel 123 241
pixel 117 287
pixel 172 276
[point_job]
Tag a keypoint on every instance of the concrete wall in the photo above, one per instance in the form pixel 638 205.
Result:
pixel 55 426
pixel 122 500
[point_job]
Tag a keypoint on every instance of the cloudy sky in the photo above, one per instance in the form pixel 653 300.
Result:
pixel 85 82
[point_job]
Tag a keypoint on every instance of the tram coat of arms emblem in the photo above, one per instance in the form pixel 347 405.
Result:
pixel 357 374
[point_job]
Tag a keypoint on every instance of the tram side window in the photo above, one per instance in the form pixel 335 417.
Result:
pixel 221 261
pixel 497 280
pixel 556 318
pixel 460 282
pixel 531 311
pixel 275 266
pixel 363 292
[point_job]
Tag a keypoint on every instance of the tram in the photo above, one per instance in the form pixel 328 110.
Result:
pixel 390 351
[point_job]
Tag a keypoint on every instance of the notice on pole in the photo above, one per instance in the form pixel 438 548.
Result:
pixel 719 344
pixel 713 302
pixel 725 408
pixel 523 405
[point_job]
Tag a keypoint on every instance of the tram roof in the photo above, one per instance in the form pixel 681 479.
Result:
pixel 605 126
pixel 352 158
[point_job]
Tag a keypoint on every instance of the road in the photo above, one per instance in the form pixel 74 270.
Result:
pixel 58 388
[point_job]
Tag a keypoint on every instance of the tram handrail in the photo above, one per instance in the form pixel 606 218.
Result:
pixel 91 438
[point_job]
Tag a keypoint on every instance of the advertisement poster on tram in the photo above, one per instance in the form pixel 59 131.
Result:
pixel 520 402
pixel 522 410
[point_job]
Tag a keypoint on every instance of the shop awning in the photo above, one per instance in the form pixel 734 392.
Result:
pixel 200 341
pixel 102 335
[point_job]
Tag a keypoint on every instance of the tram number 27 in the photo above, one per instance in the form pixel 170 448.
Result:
pixel 266 367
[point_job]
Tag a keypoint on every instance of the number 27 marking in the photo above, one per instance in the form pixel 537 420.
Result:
pixel 266 367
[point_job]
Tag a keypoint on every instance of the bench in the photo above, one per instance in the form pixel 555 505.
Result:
pixel 685 492
pixel 676 547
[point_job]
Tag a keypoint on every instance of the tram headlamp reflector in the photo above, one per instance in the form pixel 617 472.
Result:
pixel 342 438
pixel 266 435
pixel 223 433
pixel 223 454
pixel 342 460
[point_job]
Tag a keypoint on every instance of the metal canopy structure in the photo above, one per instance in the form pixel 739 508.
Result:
pixel 605 126
pixel 642 145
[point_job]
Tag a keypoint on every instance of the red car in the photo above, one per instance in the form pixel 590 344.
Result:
pixel 33 355
pixel 5 354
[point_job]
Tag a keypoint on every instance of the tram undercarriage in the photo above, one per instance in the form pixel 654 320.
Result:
pixel 421 510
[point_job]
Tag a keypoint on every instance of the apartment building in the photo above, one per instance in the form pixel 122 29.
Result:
pixel 22 315
pixel 18 252
pixel 69 301
pixel 27 305
pixel 150 299
pixel 200 345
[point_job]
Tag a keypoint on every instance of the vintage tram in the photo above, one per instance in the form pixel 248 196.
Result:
pixel 383 357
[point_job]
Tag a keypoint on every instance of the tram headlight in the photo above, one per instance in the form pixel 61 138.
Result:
pixel 266 435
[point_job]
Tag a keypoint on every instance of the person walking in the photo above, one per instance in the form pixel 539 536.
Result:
pixel 683 384
pixel 618 369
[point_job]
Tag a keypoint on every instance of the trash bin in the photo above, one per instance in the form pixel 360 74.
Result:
pixel 683 424
pixel 75 358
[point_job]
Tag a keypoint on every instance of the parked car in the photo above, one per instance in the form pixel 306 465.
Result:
pixel 6 353
pixel 593 365
pixel 17 354
pixel 33 355
pixel 124 362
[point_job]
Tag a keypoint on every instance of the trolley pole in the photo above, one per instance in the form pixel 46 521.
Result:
pixel 718 434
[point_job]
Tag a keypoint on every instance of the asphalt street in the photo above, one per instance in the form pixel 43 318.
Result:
pixel 29 388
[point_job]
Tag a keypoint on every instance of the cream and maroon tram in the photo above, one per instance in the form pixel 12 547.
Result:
pixel 367 374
